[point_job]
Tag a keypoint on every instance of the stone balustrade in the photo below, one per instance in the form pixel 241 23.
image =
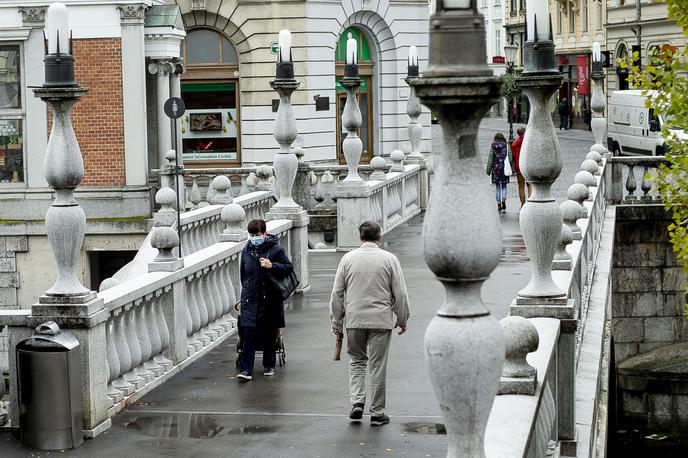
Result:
pixel 627 173
pixel 159 322
pixel 201 227
pixel 389 202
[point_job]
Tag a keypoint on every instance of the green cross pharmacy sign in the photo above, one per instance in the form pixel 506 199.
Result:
pixel 274 47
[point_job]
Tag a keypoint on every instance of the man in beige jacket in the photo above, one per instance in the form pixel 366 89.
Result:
pixel 369 290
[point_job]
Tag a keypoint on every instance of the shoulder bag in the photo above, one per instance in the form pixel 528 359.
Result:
pixel 284 286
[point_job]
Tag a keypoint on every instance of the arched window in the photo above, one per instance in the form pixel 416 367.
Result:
pixel 211 127
pixel 208 47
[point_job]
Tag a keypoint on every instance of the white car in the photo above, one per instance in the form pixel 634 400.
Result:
pixel 633 129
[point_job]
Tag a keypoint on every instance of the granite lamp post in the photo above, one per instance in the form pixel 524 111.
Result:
pixel 541 218
pixel 351 116
pixel 286 163
pixel 464 344
pixel 598 123
pixel 414 110
pixel 540 160
pixel 71 305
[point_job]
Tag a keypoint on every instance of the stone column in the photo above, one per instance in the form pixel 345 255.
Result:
pixel 351 120
pixel 598 123
pixel 176 91
pixel 68 303
pixel 415 132
pixel 162 68
pixel 464 344
pixel 285 168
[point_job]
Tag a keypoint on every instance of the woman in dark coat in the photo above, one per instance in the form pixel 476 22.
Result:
pixel 262 309
pixel 499 153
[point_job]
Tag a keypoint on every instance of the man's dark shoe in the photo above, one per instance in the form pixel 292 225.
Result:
pixel 356 413
pixel 379 420
pixel 244 376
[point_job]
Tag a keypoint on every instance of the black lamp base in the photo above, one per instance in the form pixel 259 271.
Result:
pixel 59 70
pixel 538 57
pixel 285 71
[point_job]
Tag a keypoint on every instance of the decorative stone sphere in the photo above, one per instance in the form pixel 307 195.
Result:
pixel 170 155
pixel 585 178
pixel 165 197
pixel 520 338
pixel 327 177
pixel 570 210
pixel 164 238
pixel 221 183
pixel 566 235
pixel 298 151
pixel 591 166
pixel 378 162
pixel 233 213
pixel 599 148
pixel 577 192
pixel 264 171
pixel 595 156
pixel 108 283
pixel 397 155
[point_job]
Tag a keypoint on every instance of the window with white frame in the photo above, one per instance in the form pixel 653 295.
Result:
pixel 600 14
pixel 483 3
pixel 498 42
pixel 559 21
pixel 584 15
pixel 572 19
pixel 11 115
pixel 497 2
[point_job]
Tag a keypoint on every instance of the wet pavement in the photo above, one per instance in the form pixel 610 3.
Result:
pixel 301 411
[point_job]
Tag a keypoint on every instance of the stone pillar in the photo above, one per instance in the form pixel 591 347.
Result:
pixel 285 168
pixel 162 68
pixel 351 120
pixel 598 102
pixel 464 344
pixel 68 303
pixel 176 91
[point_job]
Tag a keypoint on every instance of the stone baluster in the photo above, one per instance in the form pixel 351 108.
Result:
pixel 631 184
pixel 152 328
pixel 464 344
pixel 598 102
pixel 244 185
pixel 123 355
pixel 129 328
pixel 210 192
pixel 164 331
pixel 195 194
pixel 193 305
pixel 329 189
pixel 114 367
pixel 397 158
pixel 223 188
pixel 520 338
pixel 562 258
pixel 379 166
pixel 579 193
pixel 646 184
pixel 319 191
pixel 252 182
pixel 144 339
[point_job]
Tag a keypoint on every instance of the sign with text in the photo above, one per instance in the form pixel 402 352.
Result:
pixel 582 75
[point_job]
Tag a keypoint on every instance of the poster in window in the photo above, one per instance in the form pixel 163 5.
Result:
pixel 205 122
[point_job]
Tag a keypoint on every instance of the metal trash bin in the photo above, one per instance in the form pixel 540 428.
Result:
pixel 49 380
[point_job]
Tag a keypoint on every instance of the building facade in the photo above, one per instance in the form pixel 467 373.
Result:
pixel 576 25
pixel 493 12
pixel 645 27
pixel 219 57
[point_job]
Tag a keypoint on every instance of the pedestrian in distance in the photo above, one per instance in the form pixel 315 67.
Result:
pixel 564 114
pixel 516 155
pixel 499 154
pixel 262 308
pixel 369 300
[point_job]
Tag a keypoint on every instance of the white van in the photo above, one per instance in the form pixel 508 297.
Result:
pixel 633 129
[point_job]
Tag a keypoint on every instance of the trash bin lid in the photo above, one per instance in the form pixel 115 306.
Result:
pixel 48 337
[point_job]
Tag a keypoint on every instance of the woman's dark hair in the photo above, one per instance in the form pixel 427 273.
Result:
pixel 256 226
pixel 499 137
pixel 369 231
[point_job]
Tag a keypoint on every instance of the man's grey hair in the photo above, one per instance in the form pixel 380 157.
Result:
pixel 369 231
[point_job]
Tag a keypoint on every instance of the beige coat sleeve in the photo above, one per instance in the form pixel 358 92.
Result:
pixel 337 297
pixel 400 305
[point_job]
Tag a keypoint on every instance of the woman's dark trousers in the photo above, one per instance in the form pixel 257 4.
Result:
pixel 252 337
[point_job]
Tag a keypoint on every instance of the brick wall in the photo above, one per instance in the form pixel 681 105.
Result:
pixel 647 283
pixel 98 118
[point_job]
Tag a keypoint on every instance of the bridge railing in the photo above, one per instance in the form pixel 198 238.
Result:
pixel 390 201
pixel 630 180
pixel 151 326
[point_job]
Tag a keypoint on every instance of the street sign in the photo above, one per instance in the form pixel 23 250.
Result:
pixel 274 47
pixel 174 108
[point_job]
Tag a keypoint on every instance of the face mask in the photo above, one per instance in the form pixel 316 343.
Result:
pixel 257 240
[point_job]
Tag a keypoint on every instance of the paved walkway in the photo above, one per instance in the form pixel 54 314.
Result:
pixel 205 411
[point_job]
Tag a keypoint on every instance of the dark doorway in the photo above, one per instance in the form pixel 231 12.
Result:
pixel 104 264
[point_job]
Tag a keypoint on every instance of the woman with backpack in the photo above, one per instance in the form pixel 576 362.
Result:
pixel 496 165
